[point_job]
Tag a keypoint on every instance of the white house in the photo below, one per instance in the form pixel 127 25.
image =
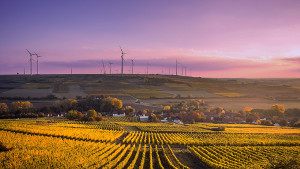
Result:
pixel 177 122
pixel 119 115
pixel 164 120
pixel 144 118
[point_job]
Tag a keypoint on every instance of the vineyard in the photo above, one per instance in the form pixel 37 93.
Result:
pixel 47 143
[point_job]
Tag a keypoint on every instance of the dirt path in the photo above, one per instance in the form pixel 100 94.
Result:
pixel 188 159
pixel 130 128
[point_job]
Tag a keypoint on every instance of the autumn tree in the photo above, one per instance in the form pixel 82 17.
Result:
pixel 117 103
pixel 166 108
pixel 65 105
pixel 72 114
pixel 248 109
pixel 3 108
pixel 99 117
pixel 21 107
pixel 129 111
pixel 278 110
pixel 91 113
pixel 153 118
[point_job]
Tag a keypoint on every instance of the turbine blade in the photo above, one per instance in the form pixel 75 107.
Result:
pixel 29 52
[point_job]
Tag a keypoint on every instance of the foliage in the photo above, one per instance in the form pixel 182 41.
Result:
pixel 116 103
pixel 65 105
pixel 3 108
pixel 74 114
pixel 21 106
pixel 167 108
pixel 91 113
pixel 248 109
pixel 278 108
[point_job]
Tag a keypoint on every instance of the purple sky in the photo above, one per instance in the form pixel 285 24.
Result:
pixel 230 38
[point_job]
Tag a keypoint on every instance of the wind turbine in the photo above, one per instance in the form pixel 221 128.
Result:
pixel 37 62
pixel 132 60
pixel 122 56
pixel 147 67
pixel 30 60
pixel 110 67
pixel 104 71
pixel 176 66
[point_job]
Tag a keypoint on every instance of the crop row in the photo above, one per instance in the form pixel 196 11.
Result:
pixel 212 139
pixel 31 151
pixel 243 157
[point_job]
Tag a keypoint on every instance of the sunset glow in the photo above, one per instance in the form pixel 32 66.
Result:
pixel 233 39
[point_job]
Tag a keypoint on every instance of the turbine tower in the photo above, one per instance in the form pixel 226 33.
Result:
pixel 104 71
pixel 176 66
pixel 147 67
pixel 122 57
pixel 37 62
pixel 30 60
pixel 110 67
pixel 132 60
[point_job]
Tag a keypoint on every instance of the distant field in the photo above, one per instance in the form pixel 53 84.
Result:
pixel 146 93
pixel 228 93
pixel 32 92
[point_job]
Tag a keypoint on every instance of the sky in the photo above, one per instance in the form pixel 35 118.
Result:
pixel 209 38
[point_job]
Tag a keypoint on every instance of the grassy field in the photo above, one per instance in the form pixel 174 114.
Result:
pixel 158 89
pixel 119 143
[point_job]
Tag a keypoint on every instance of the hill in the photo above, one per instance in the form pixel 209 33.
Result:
pixel 155 90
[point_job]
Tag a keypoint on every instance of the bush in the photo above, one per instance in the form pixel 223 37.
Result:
pixel 99 118
pixel 297 124
pixel 266 122
pixel 91 119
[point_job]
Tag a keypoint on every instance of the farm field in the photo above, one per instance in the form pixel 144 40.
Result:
pixel 120 143
pixel 156 90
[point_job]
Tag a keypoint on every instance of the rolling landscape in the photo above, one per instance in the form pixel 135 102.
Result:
pixel 172 84
pixel 129 142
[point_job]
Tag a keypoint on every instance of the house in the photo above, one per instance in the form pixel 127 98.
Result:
pixel 177 122
pixel 144 118
pixel 119 115
pixel 164 120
